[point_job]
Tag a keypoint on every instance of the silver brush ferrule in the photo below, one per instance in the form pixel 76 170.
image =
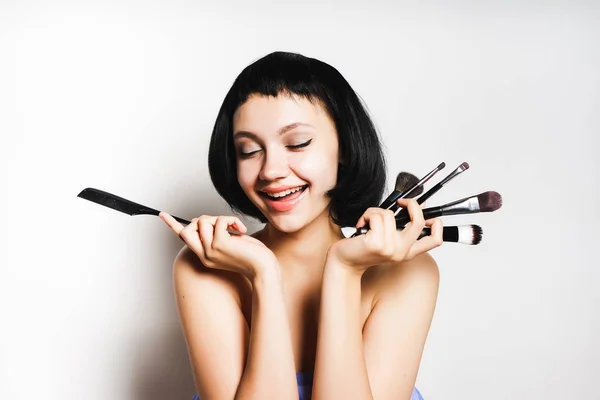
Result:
pixel 463 206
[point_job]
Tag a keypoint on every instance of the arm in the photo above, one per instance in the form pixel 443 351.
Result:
pixel 340 370
pixel 228 360
pixel 382 361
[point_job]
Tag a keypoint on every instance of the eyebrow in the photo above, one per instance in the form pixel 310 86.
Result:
pixel 280 131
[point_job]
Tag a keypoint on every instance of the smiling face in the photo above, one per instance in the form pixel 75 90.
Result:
pixel 287 158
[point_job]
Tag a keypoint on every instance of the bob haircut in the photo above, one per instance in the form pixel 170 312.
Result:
pixel 361 171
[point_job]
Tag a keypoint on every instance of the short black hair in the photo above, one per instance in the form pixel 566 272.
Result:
pixel 362 168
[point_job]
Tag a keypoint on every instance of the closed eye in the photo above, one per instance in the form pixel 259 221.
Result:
pixel 248 154
pixel 299 146
pixel 292 146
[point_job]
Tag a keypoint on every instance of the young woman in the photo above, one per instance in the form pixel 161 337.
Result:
pixel 297 308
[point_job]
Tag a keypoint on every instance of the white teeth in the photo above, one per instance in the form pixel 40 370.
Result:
pixel 284 193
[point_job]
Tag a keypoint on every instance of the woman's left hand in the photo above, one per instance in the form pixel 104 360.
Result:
pixel 383 243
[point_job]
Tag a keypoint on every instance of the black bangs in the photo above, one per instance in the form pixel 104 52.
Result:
pixel 282 73
pixel 361 172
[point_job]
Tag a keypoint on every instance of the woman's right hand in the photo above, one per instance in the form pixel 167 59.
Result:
pixel 207 236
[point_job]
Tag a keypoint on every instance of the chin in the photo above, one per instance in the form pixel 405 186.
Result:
pixel 288 223
pixel 296 220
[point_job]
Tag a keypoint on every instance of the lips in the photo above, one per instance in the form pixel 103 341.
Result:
pixel 283 193
pixel 284 202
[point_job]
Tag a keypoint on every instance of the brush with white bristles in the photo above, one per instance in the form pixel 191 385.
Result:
pixel 465 234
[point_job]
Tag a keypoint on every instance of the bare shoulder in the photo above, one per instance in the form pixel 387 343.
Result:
pixel 418 274
pixel 191 277
pixel 188 271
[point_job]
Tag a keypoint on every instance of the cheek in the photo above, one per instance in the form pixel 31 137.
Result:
pixel 245 177
pixel 320 169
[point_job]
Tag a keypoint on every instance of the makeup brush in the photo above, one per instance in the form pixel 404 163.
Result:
pixel 483 202
pixel 405 181
pixel 406 184
pixel 465 234
pixel 461 168
pixel 412 191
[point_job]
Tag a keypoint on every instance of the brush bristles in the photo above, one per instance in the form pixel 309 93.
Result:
pixel 489 201
pixel 477 234
pixel 405 181
pixel 469 234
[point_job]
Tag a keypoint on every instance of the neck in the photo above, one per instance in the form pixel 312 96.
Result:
pixel 304 250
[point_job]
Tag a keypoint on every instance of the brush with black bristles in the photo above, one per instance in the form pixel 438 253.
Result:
pixel 405 181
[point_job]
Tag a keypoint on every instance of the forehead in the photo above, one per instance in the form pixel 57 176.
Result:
pixel 265 115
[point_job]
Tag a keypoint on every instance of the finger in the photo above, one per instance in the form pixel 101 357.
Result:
pixel 423 205
pixel 437 230
pixel 188 235
pixel 389 226
pixel 362 221
pixel 189 232
pixel 435 239
pixel 385 226
pixel 239 225
pixel 191 237
pixel 375 237
pixel 402 203
pixel 220 232
pixel 417 221
pixel 206 229
pixel 171 222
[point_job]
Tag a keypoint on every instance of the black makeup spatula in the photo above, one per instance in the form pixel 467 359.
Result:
pixel 120 204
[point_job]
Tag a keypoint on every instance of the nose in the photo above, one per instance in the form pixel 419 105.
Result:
pixel 275 165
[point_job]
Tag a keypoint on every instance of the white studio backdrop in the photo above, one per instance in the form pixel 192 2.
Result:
pixel 123 96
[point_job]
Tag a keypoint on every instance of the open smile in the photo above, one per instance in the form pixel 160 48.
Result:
pixel 284 200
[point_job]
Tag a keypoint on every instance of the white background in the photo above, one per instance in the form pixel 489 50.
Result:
pixel 123 96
